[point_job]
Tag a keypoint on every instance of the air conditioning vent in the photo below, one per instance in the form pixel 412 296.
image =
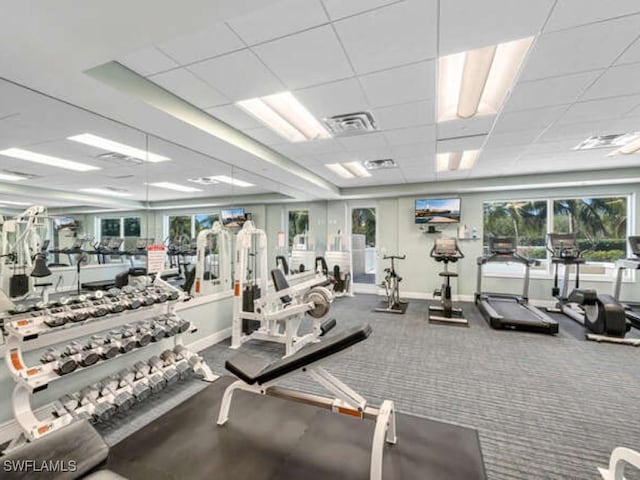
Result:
pixel 607 141
pixel 380 164
pixel 119 158
pixel 349 124
pixel 203 180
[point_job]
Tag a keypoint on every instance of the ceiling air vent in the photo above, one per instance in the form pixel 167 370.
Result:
pixel 351 124
pixel 380 164
pixel 119 158
pixel 203 180
pixel 607 141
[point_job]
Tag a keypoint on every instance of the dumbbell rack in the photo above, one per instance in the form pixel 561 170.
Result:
pixel 31 333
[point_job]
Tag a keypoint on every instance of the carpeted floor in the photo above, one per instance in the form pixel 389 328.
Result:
pixel 545 407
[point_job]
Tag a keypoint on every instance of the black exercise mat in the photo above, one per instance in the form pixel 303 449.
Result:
pixel 270 438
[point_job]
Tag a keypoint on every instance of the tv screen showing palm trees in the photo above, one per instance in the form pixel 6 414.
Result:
pixel 438 210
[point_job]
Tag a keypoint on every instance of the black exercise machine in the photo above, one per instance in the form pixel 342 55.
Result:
pixel 391 284
pixel 258 376
pixel 446 250
pixel 602 315
pixel 506 310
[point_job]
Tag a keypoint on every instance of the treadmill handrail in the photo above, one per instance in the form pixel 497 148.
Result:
pixel 507 258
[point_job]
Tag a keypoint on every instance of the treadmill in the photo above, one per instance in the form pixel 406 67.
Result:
pixel 631 309
pixel 503 310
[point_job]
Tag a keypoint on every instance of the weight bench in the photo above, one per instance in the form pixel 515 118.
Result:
pixel 259 376
pixel 67 453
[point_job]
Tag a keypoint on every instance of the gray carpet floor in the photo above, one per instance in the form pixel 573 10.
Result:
pixel 545 407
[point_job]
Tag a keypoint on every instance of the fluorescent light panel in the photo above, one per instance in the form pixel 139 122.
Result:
pixel 121 148
pixel 340 170
pixel 174 186
pixel 5 177
pixel 106 192
pixel 349 169
pixel 452 161
pixel 476 82
pixel 286 116
pixel 231 181
pixel 628 149
pixel 47 160
pixel 11 202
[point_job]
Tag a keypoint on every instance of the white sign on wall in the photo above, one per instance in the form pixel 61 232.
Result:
pixel 155 258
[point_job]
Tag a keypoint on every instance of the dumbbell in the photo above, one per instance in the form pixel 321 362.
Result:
pixel 56 320
pixel 97 310
pixel 158 332
pixel 170 326
pixel 86 357
pixel 64 364
pixel 124 339
pixel 113 292
pixel 170 357
pixel 114 305
pixel 139 387
pixel 156 380
pixel 65 405
pixel 78 313
pixel 143 335
pixel 102 411
pixel 103 346
pixel 169 373
pixel 122 399
pixel 172 294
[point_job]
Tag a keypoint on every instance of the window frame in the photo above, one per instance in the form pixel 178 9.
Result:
pixel 287 223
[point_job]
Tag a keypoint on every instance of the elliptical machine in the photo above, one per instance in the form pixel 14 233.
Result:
pixel 446 250
pixel 392 302
pixel 600 314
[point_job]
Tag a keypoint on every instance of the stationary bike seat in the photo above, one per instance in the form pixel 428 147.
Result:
pixel 448 274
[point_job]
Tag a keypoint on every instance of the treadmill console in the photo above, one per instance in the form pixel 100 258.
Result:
pixel 563 245
pixel 634 243
pixel 445 246
pixel 503 245
pixel 114 243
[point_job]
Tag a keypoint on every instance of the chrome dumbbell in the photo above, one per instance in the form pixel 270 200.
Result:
pixel 85 357
pixel 139 386
pixel 122 399
pixel 143 335
pixel 102 346
pixel 124 339
pixel 63 365
pixel 154 372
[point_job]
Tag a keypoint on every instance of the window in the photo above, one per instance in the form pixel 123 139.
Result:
pixel 179 229
pixel 363 222
pixel 363 245
pixel 204 221
pixel 522 219
pixel 600 224
pixel 298 223
pixel 109 227
pixel 132 227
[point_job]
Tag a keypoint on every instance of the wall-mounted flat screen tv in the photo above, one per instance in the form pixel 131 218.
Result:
pixel 64 222
pixel 233 217
pixel 438 210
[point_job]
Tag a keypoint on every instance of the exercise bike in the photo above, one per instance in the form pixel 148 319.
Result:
pixel 446 250
pixel 392 302
pixel 602 315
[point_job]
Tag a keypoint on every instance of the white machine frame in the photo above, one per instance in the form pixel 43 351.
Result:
pixel 346 401
pixel 620 458
pixel 339 253
pixel 223 282
pixel 278 322
pixel 303 252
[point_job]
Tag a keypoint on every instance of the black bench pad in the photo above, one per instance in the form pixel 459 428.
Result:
pixel 252 370
pixel 78 442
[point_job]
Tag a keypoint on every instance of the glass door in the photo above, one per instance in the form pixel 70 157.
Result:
pixel 363 244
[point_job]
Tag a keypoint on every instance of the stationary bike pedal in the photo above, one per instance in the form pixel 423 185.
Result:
pixel 437 293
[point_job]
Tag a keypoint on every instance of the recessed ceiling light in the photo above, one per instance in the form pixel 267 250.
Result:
pixel 106 191
pixel 357 169
pixel 338 169
pixel 286 116
pixel 631 147
pixel 608 141
pixel 174 186
pixel 47 160
pixel 11 202
pixel 231 181
pixel 451 161
pixel 111 146
pixel 476 82
pixel 11 178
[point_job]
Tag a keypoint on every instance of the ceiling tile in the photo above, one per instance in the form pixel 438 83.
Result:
pixel 570 13
pixel 148 61
pixel 460 144
pixel 334 157
pixel 631 55
pixel 344 96
pixel 469 24
pixel 187 86
pixel 357 142
pixel 528 119
pixel 371 153
pixel 202 44
pixel 501 140
pixel 405 115
pixel 551 91
pixel 317 147
pixel 406 136
pixel 576 131
pixel 422 149
pixel 307 58
pixel 607 108
pixel 580 49
pixel 460 127
pixel 239 75
pixel 234 116
pixel 401 84
pixel 398 34
pixel 278 19
pixel 621 80
pixel 339 8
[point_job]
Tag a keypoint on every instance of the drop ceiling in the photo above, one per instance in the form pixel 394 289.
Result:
pixel 336 57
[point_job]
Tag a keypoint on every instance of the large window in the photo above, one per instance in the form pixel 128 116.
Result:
pixel 363 222
pixel 179 229
pixel 132 227
pixel 363 244
pixel 204 221
pixel 600 224
pixel 298 223
pixel 109 227
pixel 522 219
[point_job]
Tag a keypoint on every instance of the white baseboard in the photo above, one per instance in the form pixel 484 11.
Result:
pixel 459 298
pixel 207 341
